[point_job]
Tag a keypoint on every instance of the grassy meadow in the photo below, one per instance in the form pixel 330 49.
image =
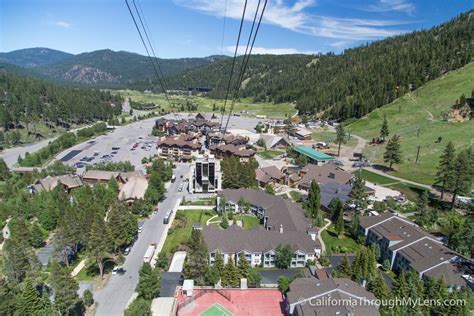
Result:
pixel 418 119
pixel 204 104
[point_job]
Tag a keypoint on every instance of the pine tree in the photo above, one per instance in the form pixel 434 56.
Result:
pixel 4 171
pixel 400 289
pixel 340 224
pixel 384 132
pixel 65 289
pixel 445 173
pixel 393 153
pixel 243 266
pixel 463 174
pixel 335 206
pixel 98 243
pixel 340 137
pixel 149 282
pixel 313 203
pixel 196 265
pixel 344 270
pixel 219 262
pixel 230 276
pixel 358 193
pixel 224 221
pixel 378 287
pixel 424 215
pixel 29 301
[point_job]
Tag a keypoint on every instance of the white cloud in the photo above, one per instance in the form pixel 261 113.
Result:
pixel 268 51
pixel 295 17
pixel 62 24
pixel 392 5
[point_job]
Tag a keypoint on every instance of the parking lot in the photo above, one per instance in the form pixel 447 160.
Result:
pixel 131 142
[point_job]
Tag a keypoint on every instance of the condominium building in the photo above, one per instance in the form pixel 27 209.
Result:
pixel 206 175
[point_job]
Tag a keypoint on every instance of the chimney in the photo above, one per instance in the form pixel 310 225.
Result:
pixel 243 284
pixel 281 228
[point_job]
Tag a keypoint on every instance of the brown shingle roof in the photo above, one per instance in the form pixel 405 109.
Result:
pixel 278 210
pixel 337 288
pixel 180 141
pixel 324 174
pixel 234 239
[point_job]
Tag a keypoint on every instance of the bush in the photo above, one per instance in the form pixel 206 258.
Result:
pixel 88 298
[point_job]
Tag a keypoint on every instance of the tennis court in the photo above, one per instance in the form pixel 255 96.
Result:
pixel 216 310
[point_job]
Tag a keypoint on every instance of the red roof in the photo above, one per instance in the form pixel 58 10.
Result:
pixel 236 301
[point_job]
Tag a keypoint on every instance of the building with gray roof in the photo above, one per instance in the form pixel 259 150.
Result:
pixel 407 246
pixel 283 222
pixel 329 296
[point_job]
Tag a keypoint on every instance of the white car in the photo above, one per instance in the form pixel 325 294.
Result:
pixel 140 229
pixel 118 270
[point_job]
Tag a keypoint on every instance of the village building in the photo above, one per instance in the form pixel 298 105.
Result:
pixel 283 223
pixel 303 134
pixel 314 156
pixel 227 151
pixel 68 182
pixel 269 175
pixel 407 246
pixel 323 174
pixel 134 189
pixel 206 175
pixel 99 176
pixel 178 147
pixel 323 295
pixel 275 141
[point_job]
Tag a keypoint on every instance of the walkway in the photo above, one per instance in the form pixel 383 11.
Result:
pixel 323 246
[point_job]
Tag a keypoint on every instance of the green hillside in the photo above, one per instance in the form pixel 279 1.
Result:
pixel 421 110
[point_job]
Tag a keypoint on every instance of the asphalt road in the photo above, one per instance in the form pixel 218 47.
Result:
pixel 114 297
pixel 11 155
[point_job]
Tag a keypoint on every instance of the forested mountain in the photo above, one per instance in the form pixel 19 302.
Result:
pixel 350 84
pixel 25 99
pixel 33 57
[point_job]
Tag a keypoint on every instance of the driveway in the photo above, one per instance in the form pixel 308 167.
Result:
pixel 169 282
pixel 112 299
pixel 177 262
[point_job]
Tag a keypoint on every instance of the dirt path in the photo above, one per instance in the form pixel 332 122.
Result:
pixel 347 153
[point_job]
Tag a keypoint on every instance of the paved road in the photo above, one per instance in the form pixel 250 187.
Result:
pixel 10 155
pixel 113 298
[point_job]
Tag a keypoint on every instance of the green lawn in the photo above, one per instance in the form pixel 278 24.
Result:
pixel 249 222
pixel 270 154
pixel 344 245
pixel 206 105
pixel 421 111
pixel 180 231
pixel 411 191
pixel 296 196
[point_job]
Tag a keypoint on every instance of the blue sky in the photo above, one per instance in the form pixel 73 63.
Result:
pixel 193 28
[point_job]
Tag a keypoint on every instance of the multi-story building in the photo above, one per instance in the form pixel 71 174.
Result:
pixel 283 224
pixel 226 151
pixel 178 147
pixel 324 295
pixel 259 245
pixel 407 246
pixel 206 175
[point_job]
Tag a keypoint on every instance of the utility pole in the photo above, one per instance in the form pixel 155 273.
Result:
pixel 417 154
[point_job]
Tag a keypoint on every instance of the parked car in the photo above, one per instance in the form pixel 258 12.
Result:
pixel 126 251
pixel 140 229
pixel 114 152
pixel 118 270
pixel 115 148
pixel 79 165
